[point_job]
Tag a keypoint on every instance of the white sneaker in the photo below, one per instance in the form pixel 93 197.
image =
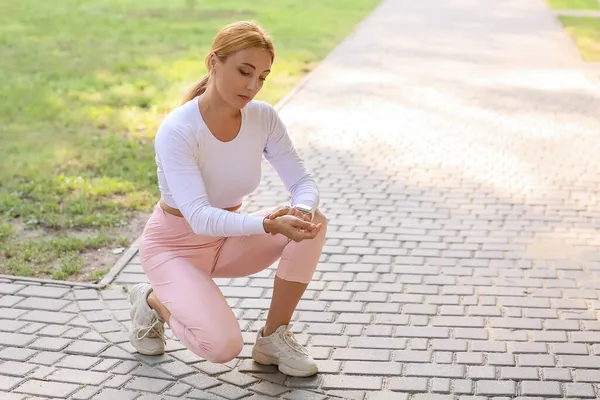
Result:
pixel 281 348
pixel 147 334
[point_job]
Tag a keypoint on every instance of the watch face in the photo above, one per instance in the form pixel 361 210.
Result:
pixel 303 208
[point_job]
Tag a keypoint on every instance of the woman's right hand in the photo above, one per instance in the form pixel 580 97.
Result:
pixel 292 227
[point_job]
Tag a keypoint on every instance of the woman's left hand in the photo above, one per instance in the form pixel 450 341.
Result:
pixel 288 210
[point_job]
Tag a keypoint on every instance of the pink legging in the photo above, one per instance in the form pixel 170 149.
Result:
pixel 180 266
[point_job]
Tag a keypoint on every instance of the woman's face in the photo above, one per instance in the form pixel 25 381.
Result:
pixel 241 76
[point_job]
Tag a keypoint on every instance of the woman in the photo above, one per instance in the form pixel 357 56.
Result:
pixel 208 156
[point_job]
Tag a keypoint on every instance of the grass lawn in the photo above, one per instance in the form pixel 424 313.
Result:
pixel 585 31
pixel 85 85
pixel 574 4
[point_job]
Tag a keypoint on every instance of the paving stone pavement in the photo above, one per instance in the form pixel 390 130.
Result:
pixel 456 146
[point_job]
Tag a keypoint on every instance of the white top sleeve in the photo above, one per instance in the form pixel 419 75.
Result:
pixel 174 149
pixel 282 155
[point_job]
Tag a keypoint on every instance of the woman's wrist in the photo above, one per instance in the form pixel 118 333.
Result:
pixel 269 225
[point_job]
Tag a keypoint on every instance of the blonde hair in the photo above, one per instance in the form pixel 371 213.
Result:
pixel 237 36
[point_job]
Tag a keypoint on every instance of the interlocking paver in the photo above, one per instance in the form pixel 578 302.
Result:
pixel 47 317
pixel 413 356
pixel 42 372
pixel 229 391
pixel 32 328
pixel 46 358
pixel 465 322
pixel 440 385
pixel 81 377
pixel 526 348
pixel 86 393
pixel 372 368
pixel 330 341
pixel 49 343
pixel 86 348
pixel 177 369
pixel 581 390
pixel 45 291
pixel 421 332
pixel 16 354
pixel 148 384
pixel 54 330
pixel 536 360
pixel 379 330
pixel 150 372
pixel 111 394
pixel 463 386
pixel 269 389
pixel 421 396
pixel 543 389
pixel 116 352
pixel 409 384
pixel 579 361
pixel 378 343
pixel 216 369
pixel 509 335
pixel 103 366
pixel 470 358
pixel 303 395
pixel 352 382
pixel 117 381
pixel 434 370
pixel 9 382
pixel 10 288
pixel 39 303
pixel 449 345
pixel 15 339
pixel 178 390
pixel 78 362
pixel 360 354
pixel 557 374
pixel 443 357
pixel 9 301
pixel 236 378
pixel 74 333
pixel 495 388
pixel 15 368
pixel 45 388
pixel 200 382
pixel 487 372
pixel 519 374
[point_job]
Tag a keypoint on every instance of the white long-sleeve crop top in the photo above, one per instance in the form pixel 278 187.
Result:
pixel 200 175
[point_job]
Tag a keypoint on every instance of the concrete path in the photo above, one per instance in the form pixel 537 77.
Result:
pixel 579 13
pixel 457 147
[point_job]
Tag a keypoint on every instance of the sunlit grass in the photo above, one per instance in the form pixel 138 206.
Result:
pixel 85 85
pixel 585 31
pixel 575 4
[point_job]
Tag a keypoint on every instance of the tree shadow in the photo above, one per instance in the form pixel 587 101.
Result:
pixel 422 227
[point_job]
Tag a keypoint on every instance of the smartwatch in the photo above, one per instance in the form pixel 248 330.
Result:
pixel 303 208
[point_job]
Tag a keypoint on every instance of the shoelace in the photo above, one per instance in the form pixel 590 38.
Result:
pixel 290 339
pixel 155 330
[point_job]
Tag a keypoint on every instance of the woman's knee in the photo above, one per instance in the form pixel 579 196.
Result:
pixel 220 347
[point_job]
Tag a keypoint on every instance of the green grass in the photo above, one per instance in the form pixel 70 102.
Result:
pixel 574 4
pixel 585 31
pixel 85 85
pixel 56 256
pixel 97 275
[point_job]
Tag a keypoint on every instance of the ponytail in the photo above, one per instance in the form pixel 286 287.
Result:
pixel 196 89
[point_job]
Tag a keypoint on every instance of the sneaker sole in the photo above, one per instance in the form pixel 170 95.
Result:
pixel 266 360
pixel 157 352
